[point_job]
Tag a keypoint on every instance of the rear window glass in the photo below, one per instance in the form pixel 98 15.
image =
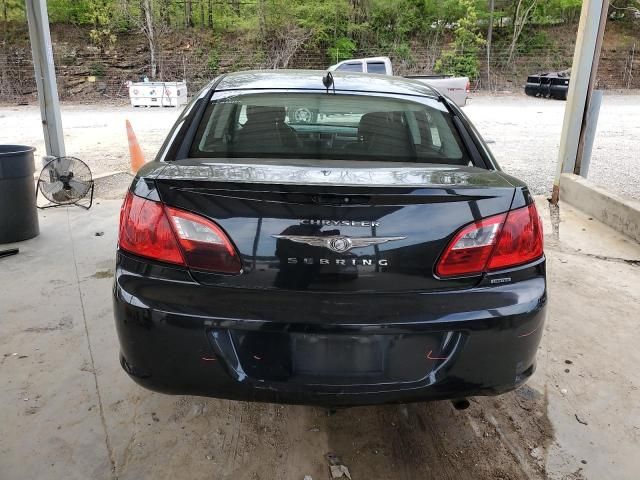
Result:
pixel 350 67
pixel 321 126
pixel 376 67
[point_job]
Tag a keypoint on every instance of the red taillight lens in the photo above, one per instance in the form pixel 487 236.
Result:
pixel 470 249
pixel 468 89
pixel 145 231
pixel 493 243
pixel 168 234
pixel 521 239
pixel 205 245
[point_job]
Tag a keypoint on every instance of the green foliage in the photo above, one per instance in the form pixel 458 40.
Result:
pixel 213 61
pixel 403 52
pixel 327 20
pixel 97 69
pixel 392 22
pixel 460 64
pixel 12 10
pixel 102 38
pixel 340 28
pixel 68 59
pixel 557 11
pixel 532 42
pixel 67 11
pixel 342 49
pixel 82 12
pixel 467 35
pixel 462 59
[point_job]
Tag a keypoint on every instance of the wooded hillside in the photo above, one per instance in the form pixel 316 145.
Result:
pixel 494 42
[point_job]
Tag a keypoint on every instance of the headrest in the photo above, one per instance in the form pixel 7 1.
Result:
pixel 257 113
pixel 371 124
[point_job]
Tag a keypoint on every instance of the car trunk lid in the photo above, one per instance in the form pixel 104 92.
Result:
pixel 336 228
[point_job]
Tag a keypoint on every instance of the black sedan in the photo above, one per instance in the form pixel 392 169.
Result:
pixel 377 254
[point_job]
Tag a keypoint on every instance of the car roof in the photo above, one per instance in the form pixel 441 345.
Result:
pixel 312 80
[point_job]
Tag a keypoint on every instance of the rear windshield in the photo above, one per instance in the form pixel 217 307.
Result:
pixel 350 67
pixel 321 126
pixel 376 67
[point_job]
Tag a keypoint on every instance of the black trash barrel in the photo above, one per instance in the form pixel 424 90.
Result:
pixel 18 212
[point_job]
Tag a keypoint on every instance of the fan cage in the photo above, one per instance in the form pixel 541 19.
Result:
pixel 65 180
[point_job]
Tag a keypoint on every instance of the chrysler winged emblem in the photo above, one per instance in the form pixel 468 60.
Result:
pixel 338 243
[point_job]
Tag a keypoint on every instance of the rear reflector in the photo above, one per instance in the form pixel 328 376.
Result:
pixel 498 242
pixel 171 235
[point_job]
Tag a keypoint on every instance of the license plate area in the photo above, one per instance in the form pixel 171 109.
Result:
pixel 338 355
pixel 338 359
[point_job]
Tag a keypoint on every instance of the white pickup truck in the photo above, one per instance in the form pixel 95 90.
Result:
pixel 456 88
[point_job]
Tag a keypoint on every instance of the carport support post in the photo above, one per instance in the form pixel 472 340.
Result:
pixel 582 167
pixel 586 56
pixel 42 52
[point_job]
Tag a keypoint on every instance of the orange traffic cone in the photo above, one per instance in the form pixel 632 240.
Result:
pixel 137 157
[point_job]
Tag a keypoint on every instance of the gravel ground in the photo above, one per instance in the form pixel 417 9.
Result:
pixel 523 133
pixel 93 133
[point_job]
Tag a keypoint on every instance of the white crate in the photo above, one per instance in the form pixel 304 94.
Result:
pixel 157 94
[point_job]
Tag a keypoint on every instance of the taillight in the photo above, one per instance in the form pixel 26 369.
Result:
pixel 204 244
pixel 493 243
pixel 520 241
pixel 468 89
pixel 167 234
pixel 145 231
pixel 470 249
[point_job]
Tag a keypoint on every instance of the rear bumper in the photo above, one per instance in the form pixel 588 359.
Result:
pixel 179 337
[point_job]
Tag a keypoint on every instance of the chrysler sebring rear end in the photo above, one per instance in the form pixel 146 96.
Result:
pixel 375 255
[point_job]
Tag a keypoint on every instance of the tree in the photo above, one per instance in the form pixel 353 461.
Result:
pixel 342 49
pixel 101 13
pixel 148 28
pixel 359 11
pixel 11 9
pixel 188 13
pixel 619 7
pixel 521 16
pixel 463 59
pixel 262 19
pixel 489 39
pixel 443 35
pixel 165 12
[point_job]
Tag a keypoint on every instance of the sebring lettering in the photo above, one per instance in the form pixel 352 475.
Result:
pixel 341 223
pixel 338 261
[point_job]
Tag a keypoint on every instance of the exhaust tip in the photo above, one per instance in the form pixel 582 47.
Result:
pixel 460 403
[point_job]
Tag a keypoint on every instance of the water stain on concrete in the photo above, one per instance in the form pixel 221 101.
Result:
pixel 103 274
pixel 65 323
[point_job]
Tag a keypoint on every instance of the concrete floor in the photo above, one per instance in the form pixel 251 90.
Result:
pixel 69 412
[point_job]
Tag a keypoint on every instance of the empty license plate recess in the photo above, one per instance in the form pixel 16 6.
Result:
pixel 338 355
pixel 331 359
